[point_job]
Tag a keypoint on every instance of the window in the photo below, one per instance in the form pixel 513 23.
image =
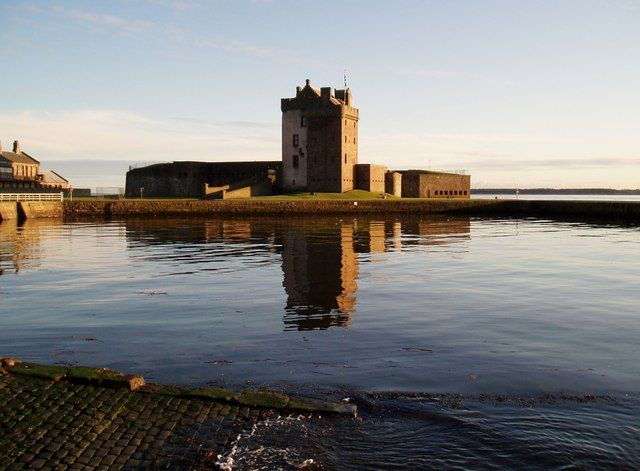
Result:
pixel 345 139
pixel 296 140
pixel 303 121
pixel 296 161
pixel 354 140
pixel 345 158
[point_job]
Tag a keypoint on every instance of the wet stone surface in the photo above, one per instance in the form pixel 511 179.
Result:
pixel 58 425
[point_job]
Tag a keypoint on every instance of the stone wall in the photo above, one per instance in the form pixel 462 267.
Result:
pixel 331 139
pixel 188 179
pixel 294 154
pixel 626 211
pixel 32 209
pixel 370 177
pixel 393 183
pixel 8 210
pixel 424 184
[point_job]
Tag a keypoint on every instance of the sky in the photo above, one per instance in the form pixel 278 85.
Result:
pixel 542 93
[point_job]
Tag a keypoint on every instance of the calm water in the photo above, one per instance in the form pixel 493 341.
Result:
pixel 560 197
pixel 495 342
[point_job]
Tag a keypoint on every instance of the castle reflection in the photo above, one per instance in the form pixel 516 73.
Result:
pixel 320 256
pixel 320 271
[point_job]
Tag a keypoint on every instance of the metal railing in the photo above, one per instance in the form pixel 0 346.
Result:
pixel 31 196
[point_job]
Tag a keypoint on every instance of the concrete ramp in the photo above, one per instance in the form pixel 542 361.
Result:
pixel 8 210
pixel 36 209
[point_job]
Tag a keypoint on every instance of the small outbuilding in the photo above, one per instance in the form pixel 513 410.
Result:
pixel 429 184
pixel 370 177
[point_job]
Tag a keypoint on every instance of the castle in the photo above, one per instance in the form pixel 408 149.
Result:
pixel 319 154
pixel 319 140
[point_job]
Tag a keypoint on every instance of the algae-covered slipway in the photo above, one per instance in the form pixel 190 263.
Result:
pixel 59 417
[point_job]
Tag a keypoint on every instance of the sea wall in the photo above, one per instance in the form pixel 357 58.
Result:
pixel 8 210
pixel 629 211
pixel 33 209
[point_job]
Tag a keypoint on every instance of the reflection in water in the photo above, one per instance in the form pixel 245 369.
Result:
pixel 530 325
pixel 319 256
pixel 21 244
pixel 320 271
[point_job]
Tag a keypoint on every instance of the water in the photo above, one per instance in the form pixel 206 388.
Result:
pixel 499 342
pixel 558 197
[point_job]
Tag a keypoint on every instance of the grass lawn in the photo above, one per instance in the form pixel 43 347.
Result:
pixel 353 195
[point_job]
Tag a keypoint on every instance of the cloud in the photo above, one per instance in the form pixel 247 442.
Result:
pixel 238 124
pixel 553 164
pixel 111 21
pixel 121 135
pixel 502 153
pixel 421 72
pixel 100 22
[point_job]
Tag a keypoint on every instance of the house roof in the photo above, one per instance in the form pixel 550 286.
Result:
pixel 21 158
pixel 50 176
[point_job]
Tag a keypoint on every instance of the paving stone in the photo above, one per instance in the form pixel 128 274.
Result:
pixel 47 425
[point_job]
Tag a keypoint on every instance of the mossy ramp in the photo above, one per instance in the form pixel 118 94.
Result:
pixel 103 377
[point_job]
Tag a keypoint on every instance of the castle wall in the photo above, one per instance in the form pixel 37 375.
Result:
pixel 324 167
pixel 188 179
pixel 294 155
pixel 331 139
pixel 349 151
pixel 370 177
pixel 393 183
pixel 417 184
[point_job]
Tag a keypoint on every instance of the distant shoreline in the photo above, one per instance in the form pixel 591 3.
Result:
pixel 553 191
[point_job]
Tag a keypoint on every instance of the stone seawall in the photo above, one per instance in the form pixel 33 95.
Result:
pixel 33 209
pixel 8 210
pixel 30 209
pixel 628 211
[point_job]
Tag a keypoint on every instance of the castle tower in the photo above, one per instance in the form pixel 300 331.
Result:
pixel 319 140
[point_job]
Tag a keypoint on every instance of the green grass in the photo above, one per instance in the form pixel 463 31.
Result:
pixel 353 195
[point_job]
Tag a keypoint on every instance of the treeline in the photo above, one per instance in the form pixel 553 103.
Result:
pixel 554 191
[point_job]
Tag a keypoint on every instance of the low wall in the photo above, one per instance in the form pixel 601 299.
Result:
pixel 628 211
pixel 32 209
pixel 8 210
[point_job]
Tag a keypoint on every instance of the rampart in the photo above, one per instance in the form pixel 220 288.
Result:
pixel 627 211
pixel 34 209
pixel 8 210
pixel 30 209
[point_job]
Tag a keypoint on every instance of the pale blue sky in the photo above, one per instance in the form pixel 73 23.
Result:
pixel 526 93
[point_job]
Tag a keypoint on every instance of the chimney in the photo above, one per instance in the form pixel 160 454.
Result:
pixel 16 147
pixel 308 83
pixel 325 92
pixel 298 90
pixel 0 147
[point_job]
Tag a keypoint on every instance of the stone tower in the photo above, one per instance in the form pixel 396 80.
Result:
pixel 319 140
